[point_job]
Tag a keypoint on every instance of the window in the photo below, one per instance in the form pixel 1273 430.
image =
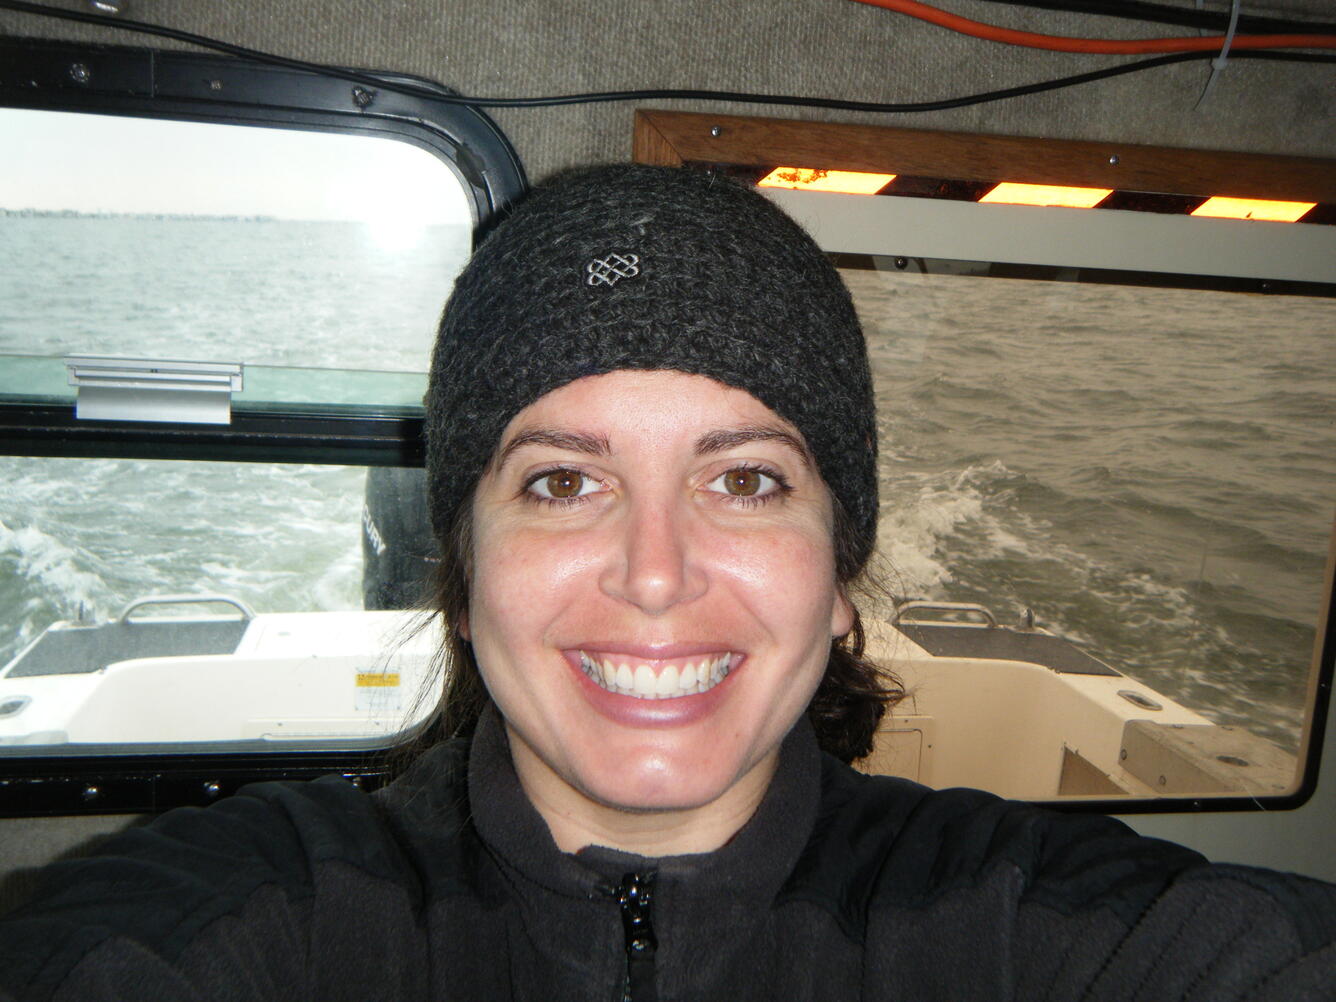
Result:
pixel 1106 453
pixel 217 318
pixel 158 605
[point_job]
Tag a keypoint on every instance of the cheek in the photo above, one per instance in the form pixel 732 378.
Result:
pixel 774 560
pixel 523 577
pixel 787 578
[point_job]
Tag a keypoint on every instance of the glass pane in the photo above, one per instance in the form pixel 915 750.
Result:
pixel 288 654
pixel 1151 472
pixel 209 242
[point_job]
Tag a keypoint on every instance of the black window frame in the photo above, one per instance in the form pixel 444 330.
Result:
pixel 150 83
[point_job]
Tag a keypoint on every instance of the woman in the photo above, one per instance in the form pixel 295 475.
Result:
pixel 651 471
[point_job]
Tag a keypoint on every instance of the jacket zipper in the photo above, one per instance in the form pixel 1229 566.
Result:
pixel 635 897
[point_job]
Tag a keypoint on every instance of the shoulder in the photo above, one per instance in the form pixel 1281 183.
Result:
pixel 957 893
pixel 279 832
pixel 301 848
pixel 883 842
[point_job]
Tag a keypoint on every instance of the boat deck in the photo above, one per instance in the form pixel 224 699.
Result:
pixel 77 650
pixel 957 641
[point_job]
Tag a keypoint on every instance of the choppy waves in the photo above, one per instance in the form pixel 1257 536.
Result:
pixel 85 537
pixel 988 534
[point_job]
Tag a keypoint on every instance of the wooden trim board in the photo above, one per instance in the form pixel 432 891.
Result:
pixel 671 138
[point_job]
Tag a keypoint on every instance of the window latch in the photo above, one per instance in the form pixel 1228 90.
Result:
pixel 151 389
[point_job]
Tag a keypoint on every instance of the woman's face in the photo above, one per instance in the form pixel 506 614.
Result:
pixel 653 591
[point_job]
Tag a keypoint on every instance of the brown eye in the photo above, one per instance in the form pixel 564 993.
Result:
pixel 563 484
pixel 750 486
pixel 742 483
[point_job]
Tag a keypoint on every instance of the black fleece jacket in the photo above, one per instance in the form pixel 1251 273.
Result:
pixel 447 886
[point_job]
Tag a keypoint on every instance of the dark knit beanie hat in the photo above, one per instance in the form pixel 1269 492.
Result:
pixel 652 268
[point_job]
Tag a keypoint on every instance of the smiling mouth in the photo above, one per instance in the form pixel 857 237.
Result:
pixel 675 678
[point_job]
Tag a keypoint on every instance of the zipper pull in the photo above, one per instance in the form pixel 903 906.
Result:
pixel 635 896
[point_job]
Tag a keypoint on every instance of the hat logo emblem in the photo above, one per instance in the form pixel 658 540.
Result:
pixel 612 269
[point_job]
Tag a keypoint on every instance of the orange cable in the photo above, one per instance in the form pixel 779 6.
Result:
pixel 1105 46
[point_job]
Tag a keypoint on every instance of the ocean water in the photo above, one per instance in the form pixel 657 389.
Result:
pixel 1152 471
pixel 263 292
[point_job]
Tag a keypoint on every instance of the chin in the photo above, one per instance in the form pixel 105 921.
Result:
pixel 663 779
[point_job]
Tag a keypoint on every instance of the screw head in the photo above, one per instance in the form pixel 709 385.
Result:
pixel 716 131
pixel 80 73
pixel 1113 160
pixel 212 788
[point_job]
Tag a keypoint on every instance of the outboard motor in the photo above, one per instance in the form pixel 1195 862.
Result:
pixel 398 549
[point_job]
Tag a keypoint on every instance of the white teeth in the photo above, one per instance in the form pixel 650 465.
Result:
pixel 666 684
pixel 644 682
pixel 640 681
pixel 687 681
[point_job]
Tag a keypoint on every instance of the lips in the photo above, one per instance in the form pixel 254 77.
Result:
pixel 656 678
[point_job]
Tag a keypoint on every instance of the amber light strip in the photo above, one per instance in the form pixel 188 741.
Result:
pixel 851 182
pixel 1221 207
pixel 1015 193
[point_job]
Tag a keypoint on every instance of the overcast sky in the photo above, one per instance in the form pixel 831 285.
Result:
pixel 106 163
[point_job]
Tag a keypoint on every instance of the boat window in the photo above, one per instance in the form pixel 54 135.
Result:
pixel 201 605
pixel 220 288
pixel 1136 483
pixel 1106 453
pixel 284 251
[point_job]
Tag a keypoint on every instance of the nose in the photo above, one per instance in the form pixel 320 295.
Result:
pixel 654 562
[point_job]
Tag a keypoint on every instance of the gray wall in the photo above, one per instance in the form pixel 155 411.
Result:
pixel 815 47
pixel 828 48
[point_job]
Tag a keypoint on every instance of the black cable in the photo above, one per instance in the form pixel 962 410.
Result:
pixel 870 106
pixel 416 90
pixel 1138 10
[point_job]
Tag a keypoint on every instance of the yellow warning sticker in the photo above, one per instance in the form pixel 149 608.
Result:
pixel 376 691
pixel 377 678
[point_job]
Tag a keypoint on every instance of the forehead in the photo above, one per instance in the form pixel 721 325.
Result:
pixel 645 407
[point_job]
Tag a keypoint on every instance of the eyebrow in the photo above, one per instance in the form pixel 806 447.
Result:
pixel 708 444
pixel 571 441
pixel 724 439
